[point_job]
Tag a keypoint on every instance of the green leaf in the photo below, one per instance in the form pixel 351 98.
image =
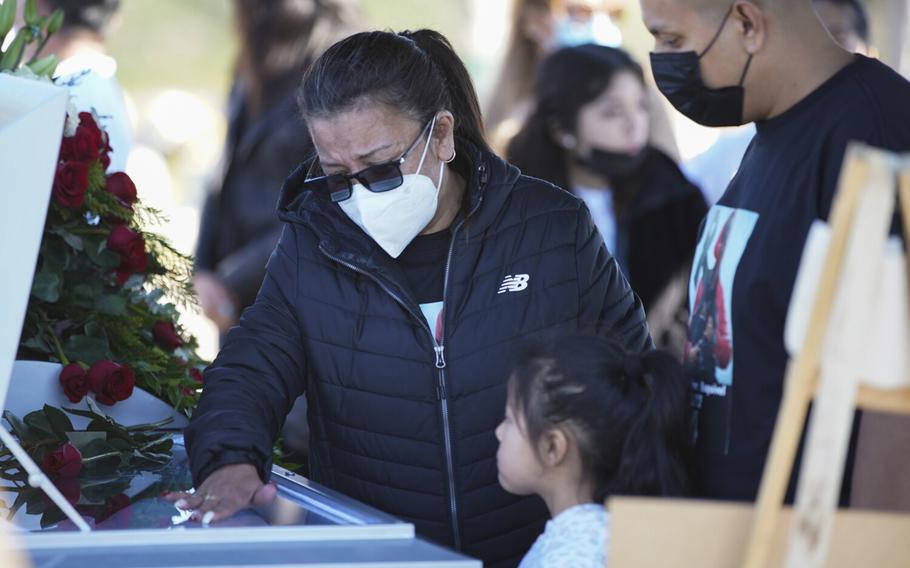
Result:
pixel 37 420
pixel 35 506
pixel 52 517
pixel 111 305
pixel 94 329
pixel 38 344
pixel 58 421
pixel 82 413
pixel 47 286
pixel 54 256
pixel 96 448
pixel 84 294
pixel 87 349
pixel 122 445
pixel 20 429
pixel 97 251
pixel 162 458
pixel 82 439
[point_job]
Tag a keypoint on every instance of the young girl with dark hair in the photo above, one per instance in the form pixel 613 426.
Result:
pixel 588 134
pixel 586 420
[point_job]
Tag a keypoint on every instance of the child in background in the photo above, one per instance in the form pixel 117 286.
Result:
pixel 584 420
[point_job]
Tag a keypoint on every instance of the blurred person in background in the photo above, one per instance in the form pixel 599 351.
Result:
pixel 539 27
pixel 588 133
pixel 266 139
pixel 87 69
pixel 712 170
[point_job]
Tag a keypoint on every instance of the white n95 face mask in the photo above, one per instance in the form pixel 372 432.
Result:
pixel 394 218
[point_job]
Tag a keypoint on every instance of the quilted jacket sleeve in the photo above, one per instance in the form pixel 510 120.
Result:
pixel 256 377
pixel 607 303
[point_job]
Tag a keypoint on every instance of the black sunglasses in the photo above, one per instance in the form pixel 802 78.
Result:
pixel 378 179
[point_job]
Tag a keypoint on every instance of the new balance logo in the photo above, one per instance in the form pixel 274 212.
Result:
pixel 515 283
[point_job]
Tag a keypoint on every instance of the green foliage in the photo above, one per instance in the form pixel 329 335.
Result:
pixel 80 312
pixel 36 29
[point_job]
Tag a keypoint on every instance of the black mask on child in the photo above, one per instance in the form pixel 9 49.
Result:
pixel 612 165
pixel 678 77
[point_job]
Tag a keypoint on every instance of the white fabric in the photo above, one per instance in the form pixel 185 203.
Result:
pixel 600 203
pixel 576 538
pixel 394 218
pixel 713 169
pixel 93 85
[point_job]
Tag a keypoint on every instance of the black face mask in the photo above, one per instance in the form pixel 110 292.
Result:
pixel 678 77
pixel 613 165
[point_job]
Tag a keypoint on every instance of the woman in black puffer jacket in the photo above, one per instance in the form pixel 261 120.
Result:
pixel 412 263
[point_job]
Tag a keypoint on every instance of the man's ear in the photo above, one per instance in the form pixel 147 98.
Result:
pixel 553 447
pixel 750 20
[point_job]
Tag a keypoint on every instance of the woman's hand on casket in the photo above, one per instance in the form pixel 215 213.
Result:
pixel 225 492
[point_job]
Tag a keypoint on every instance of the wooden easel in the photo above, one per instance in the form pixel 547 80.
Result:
pixel 828 368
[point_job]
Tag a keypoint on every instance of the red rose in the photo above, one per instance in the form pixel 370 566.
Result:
pixel 196 375
pixel 87 144
pixel 75 382
pixel 111 382
pixel 65 461
pixel 71 184
pixel 80 147
pixel 166 335
pixel 122 187
pixel 88 121
pixel 98 136
pixel 131 247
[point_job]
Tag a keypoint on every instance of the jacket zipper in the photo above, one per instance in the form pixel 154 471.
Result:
pixel 439 353
pixel 442 395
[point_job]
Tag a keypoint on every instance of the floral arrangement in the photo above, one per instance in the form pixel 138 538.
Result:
pixel 103 302
pixel 98 304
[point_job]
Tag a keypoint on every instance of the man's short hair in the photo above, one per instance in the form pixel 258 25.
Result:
pixel 93 15
pixel 860 18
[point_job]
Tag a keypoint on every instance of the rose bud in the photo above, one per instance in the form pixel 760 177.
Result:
pixel 122 187
pixel 166 335
pixel 131 247
pixel 75 382
pixel 65 461
pixel 111 382
pixel 70 184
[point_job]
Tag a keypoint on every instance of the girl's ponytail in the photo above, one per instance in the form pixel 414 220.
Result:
pixel 656 447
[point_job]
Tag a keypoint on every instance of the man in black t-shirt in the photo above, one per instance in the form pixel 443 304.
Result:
pixel 729 62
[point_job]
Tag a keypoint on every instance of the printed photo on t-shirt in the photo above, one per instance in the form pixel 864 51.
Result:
pixel 709 356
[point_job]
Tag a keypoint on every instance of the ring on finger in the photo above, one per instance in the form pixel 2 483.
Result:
pixel 208 498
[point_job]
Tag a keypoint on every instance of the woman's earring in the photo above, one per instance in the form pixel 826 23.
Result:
pixel 452 159
pixel 568 141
